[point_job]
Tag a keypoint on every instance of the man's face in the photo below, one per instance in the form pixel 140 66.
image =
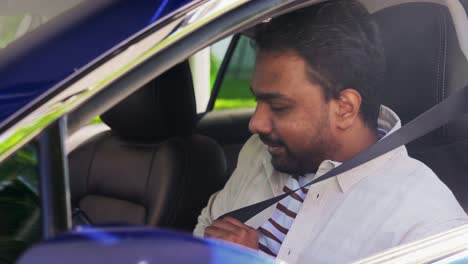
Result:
pixel 292 116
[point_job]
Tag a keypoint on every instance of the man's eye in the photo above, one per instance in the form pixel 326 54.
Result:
pixel 279 108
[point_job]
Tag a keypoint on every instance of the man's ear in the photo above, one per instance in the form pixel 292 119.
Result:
pixel 347 108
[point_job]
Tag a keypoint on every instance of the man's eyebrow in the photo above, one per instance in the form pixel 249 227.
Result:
pixel 268 96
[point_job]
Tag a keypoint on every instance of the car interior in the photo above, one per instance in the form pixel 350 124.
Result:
pixel 155 161
pixel 150 168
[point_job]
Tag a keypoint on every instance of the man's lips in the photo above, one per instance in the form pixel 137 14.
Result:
pixel 273 146
pixel 275 150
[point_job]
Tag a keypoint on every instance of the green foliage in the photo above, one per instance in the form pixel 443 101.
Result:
pixel 234 103
pixel 96 120
pixel 215 64
pixel 234 93
pixel 19 203
pixel 10 250
pixel 235 90
pixel 22 165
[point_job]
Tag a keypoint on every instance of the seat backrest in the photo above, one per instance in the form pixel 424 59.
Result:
pixel 426 65
pixel 230 128
pixel 149 168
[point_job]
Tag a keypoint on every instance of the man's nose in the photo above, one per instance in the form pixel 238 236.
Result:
pixel 260 122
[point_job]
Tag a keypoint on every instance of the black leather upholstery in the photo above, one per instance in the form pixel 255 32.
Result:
pixel 149 169
pixel 230 128
pixel 425 65
pixel 154 114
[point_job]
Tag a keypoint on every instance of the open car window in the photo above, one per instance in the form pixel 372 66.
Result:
pixel 234 83
pixel 230 68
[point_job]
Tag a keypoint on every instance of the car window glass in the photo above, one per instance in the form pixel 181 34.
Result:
pixel 19 203
pixel 234 91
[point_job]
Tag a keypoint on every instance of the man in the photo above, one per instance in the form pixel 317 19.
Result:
pixel 316 80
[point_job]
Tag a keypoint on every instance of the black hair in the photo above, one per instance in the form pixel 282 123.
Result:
pixel 340 43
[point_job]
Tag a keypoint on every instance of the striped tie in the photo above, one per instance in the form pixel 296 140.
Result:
pixel 273 232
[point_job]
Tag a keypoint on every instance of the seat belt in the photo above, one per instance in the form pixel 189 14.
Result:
pixel 79 217
pixel 453 107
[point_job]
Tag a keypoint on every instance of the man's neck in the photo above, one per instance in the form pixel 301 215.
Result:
pixel 354 142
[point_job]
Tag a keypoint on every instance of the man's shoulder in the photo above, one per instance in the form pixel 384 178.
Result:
pixel 419 175
pixel 419 188
pixel 431 206
pixel 402 168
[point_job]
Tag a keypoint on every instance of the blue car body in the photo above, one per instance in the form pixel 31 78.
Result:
pixel 137 245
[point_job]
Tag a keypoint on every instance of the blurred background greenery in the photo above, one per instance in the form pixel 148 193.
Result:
pixel 19 203
pixel 235 89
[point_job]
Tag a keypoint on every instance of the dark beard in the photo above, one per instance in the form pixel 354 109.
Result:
pixel 298 166
pixel 305 162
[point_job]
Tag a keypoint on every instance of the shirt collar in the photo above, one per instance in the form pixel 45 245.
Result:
pixel 387 123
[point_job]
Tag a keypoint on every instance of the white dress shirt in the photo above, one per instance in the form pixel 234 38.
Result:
pixel 383 203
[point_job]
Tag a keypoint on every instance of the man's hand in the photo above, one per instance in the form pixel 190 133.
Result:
pixel 232 230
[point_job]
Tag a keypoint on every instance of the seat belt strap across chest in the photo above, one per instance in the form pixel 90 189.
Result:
pixel 453 107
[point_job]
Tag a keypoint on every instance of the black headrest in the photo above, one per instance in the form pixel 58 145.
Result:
pixel 425 64
pixel 163 108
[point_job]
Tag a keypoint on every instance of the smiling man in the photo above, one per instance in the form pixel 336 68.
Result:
pixel 317 77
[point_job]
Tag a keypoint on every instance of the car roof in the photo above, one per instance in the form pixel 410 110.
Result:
pixel 62 46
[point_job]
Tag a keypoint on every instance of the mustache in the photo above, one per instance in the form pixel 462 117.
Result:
pixel 267 140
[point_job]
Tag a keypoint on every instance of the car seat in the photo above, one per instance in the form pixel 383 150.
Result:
pixel 149 168
pixel 425 65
